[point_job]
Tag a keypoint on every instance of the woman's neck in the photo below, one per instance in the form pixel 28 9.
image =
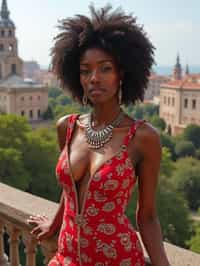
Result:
pixel 104 115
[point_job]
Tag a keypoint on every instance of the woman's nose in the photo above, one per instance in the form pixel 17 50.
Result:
pixel 95 76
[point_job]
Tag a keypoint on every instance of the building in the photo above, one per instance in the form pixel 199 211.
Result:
pixel 180 100
pixel 153 90
pixel 19 96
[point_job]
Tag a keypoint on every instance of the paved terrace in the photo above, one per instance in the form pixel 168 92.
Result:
pixel 16 206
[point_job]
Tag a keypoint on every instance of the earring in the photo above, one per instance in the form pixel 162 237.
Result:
pixel 84 100
pixel 120 92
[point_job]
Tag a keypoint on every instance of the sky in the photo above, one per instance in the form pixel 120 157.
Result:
pixel 172 25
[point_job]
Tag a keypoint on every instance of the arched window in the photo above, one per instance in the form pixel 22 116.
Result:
pixel 10 33
pixel 22 113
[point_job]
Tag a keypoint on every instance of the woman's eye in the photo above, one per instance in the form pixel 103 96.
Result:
pixel 106 68
pixel 84 71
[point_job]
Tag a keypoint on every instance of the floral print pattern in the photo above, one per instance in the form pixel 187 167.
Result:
pixel 101 234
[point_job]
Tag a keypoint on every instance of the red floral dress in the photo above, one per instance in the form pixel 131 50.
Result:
pixel 101 234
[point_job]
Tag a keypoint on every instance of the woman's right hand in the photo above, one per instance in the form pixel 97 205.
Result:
pixel 42 227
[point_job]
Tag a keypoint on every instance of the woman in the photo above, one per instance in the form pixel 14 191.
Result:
pixel 104 61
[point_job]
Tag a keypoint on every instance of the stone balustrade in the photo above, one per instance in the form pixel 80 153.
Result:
pixel 16 206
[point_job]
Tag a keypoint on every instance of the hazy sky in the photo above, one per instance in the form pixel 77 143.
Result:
pixel 172 25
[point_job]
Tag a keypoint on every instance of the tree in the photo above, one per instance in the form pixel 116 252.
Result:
pixel 158 122
pixel 186 179
pixel 171 205
pixel 184 148
pixel 12 170
pixel 40 159
pixel 48 114
pixel 54 92
pixel 192 133
pixel 168 142
pixel 194 242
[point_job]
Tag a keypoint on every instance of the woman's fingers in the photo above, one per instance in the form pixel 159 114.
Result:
pixel 36 230
pixel 36 219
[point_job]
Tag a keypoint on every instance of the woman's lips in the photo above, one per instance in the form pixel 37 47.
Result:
pixel 96 91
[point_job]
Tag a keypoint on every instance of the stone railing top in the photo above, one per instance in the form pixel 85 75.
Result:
pixel 16 206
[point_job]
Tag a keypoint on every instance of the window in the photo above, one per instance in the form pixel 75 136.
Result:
pixel 13 69
pixel 39 113
pixel 185 103
pixel 165 99
pixel 22 113
pixel 30 98
pixel 2 33
pixel 168 100
pixel 173 101
pixel 193 104
pixel 22 99
pixel 31 114
pixel 1 47
pixel 38 97
pixel 10 33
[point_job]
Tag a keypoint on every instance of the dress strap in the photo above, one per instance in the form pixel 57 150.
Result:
pixel 71 121
pixel 132 130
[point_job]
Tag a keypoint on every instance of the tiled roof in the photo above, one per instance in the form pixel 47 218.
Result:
pixel 181 84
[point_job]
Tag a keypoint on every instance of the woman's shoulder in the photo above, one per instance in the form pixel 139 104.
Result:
pixel 147 136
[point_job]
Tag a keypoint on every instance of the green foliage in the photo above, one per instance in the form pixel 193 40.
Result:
pixel 48 114
pixel 13 130
pixel 184 148
pixel 172 208
pixel 194 242
pixel 192 133
pixel 158 122
pixel 40 160
pixel 64 110
pixel 168 142
pixel 144 111
pixel 63 100
pixel 54 92
pixel 12 171
pixel 186 179
pixel 166 166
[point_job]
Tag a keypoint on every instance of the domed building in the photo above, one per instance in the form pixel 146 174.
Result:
pixel 20 96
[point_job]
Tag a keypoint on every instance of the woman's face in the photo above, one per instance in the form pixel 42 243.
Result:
pixel 99 75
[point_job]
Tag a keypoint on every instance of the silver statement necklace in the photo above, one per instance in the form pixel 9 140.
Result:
pixel 97 138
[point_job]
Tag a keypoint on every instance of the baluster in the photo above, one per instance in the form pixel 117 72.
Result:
pixel 14 245
pixel 30 249
pixel 3 256
pixel 48 248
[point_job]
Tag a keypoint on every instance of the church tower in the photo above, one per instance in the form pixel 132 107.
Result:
pixel 177 74
pixel 10 63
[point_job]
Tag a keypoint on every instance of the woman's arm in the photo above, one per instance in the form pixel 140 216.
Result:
pixel 146 215
pixel 43 227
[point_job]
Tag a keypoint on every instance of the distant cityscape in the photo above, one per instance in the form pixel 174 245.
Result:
pixel 24 85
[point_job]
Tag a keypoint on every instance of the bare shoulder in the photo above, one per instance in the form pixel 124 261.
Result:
pixel 147 138
pixel 62 122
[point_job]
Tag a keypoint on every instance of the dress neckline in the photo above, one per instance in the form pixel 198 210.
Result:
pixel 122 148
